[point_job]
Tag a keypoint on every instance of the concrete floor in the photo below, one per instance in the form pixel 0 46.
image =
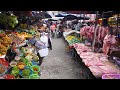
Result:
pixel 59 65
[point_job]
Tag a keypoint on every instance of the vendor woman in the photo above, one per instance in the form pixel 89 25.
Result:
pixel 11 52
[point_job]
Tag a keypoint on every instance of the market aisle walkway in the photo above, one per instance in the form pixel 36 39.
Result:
pixel 58 64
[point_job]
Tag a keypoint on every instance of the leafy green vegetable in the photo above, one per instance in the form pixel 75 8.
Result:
pixel 29 64
pixel 26 72
pixel 12 21
pixel 24 60
pixel 15 71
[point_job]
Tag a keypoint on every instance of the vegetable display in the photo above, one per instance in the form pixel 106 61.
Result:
pixel 26 72
pixel 34 76
pixel 12 21
pixel 21 65
pixel 35 58
pixel 72 39
pixel 15 71
pixel 35 69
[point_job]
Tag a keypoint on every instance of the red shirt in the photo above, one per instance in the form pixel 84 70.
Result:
pixel 53 27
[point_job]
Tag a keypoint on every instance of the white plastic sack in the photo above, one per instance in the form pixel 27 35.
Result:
pixel 43 52
pixel 44 39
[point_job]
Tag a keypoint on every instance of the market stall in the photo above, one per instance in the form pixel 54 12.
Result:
pixel 91 52
pixel 25 64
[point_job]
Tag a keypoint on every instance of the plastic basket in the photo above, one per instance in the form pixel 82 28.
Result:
pixel 24 69
pixel 35 66
pixel 34 76
pixel 4 68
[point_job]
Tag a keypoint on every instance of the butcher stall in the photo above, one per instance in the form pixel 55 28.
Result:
pixel 104 59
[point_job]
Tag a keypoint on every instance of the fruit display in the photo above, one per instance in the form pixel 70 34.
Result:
pixel 15 71
pixel 23 35
pixel 5 42
pixel 70 37
pixel 15 38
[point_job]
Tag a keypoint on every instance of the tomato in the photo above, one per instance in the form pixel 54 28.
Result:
pixel 8 76
pixel 4 62
pixel 35 69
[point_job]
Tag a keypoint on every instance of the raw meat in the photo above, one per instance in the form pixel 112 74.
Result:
pixel 95 62
pixel 96 71
pixel 87 55
pixel 107 69
pixel 103 57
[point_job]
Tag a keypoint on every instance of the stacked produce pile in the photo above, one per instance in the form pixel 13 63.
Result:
pixel 25 64
pixel 19 36
pixel 5 41
pixel 73 39
pixel 97 62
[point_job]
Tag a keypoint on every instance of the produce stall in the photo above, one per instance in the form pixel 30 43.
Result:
pixel 25 64
pixel 70 39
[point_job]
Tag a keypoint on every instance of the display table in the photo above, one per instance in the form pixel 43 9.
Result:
pixel 96 62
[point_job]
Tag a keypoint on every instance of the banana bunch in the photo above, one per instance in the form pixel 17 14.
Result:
pixel 70 37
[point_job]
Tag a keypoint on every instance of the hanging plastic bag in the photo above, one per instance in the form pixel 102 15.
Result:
pixel 43 52
pixel 44 39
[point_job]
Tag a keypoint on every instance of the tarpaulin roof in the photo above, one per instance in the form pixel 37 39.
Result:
pixel 78 12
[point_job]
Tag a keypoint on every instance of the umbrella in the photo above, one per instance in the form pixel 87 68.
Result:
pixel 59 15
pixel 85 18
pixel 70 17
pixel 47 15
pixel 52 20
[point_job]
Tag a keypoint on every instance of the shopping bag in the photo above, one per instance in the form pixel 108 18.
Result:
pixel 44 39
pixel 43 52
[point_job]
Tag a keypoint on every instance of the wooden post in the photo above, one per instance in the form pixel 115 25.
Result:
pixel 117 24
pixel 102 16
pixel 95 29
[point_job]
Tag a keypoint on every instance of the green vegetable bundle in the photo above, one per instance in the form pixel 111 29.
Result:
pixel 15 71
pixel 26 72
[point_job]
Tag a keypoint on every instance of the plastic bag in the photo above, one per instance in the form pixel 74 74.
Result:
pixel 43 52
pixel 44 39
